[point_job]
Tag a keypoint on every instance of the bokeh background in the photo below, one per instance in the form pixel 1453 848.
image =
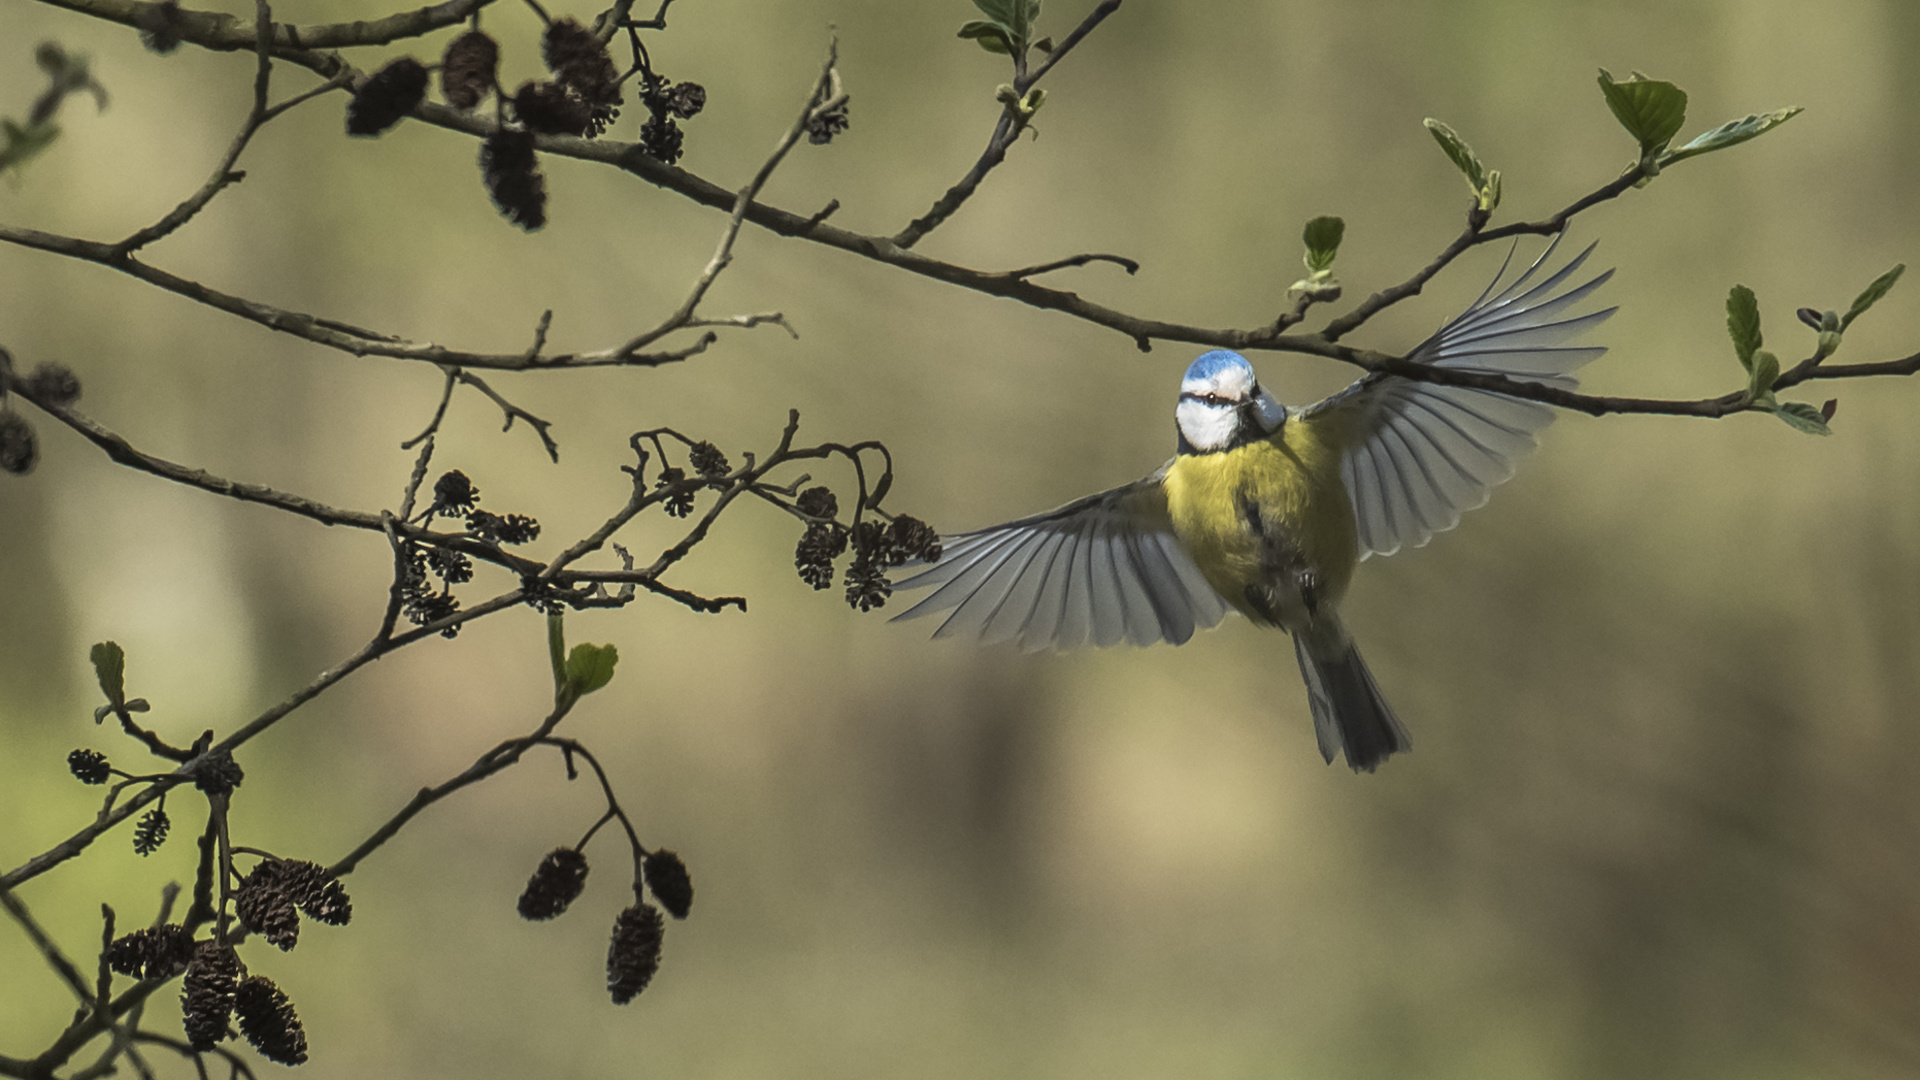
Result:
pixel 1661 817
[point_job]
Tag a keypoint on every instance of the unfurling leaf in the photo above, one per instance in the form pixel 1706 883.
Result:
pixel 1322 237
pixel 1804 417
pixel 590 667
pixel 1729 134
pixel 110 667
pixel 1743 324
pixel 1460 153
pixel 1651 110
pixel 1872 294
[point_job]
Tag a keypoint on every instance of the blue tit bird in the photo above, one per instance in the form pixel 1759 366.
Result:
pixel 1266 509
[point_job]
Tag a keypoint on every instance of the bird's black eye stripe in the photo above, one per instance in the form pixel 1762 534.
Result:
pixel 1208 398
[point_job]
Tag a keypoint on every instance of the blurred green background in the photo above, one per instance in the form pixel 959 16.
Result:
pixel 1660 821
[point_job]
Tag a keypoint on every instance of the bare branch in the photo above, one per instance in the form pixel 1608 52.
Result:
pixel 500 757
pixel 513 412
pixel 820 100
pixel 1130 266
pixel 224 33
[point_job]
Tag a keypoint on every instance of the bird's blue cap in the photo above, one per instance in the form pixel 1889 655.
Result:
pixel 1213 363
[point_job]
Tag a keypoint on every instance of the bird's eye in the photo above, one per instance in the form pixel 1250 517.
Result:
pixel 1215 399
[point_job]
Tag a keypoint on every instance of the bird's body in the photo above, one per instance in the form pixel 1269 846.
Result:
pixel 1247 514
pixel 1267 510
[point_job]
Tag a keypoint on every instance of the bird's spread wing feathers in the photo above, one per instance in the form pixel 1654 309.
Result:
pixel 1418 454
pixel 1097 571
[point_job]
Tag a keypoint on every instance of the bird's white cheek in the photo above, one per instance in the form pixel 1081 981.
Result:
pixel 1206 427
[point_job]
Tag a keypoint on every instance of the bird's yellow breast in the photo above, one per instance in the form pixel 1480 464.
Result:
pixel 1292 481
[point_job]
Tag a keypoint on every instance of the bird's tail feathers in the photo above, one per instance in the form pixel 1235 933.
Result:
pixel 1349 713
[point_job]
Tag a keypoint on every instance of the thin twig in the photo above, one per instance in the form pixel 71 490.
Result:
pixel 500 757
pixel 1130 266
pixel 1006 128
pixel 818 102
pixel 224 174
pixel 1473 236
pixel 514 412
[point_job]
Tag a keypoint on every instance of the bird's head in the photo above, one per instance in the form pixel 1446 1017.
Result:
pixel 1222 405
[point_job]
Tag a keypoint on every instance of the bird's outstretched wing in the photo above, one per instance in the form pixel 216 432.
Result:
pixel 1097 571
pixel 1418 454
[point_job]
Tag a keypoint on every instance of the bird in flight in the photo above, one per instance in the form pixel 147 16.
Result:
pixel 1266 509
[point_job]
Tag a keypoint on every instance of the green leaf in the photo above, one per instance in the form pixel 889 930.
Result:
pixel 1322 237
pixel 1762 375
pixel 1730 133
pixel 1872 295
pixel 590 667
pixel 557 649
pixel 110 667
pixel 1801 416
pixel 993 36
pixel 1460 153
pixel 1743 324
pixel 1651 111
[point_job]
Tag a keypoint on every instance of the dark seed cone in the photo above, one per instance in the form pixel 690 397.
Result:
pixel 911 538
pixel 578 59
pixel 268 1021
pixel 89 766
pixel 818 502
pixel 318 894
pixel 822 543
pixel 867 584
pixel 687 99
pixel 454 493
pixel 679 504
pixel 552 109
pixel 667 877
pixel 151 832
pixel 503 528
pixel 453 567
pixel 156 952
pixel 207 999
pixel 707 460
pixel 219 774
pixel 266 909
pixel 19 450
pixel 55 384
pixel 513 177
pixel 467 69
pixel 661 138
pixel 634 955
pixel 556 883
pixel 388 95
